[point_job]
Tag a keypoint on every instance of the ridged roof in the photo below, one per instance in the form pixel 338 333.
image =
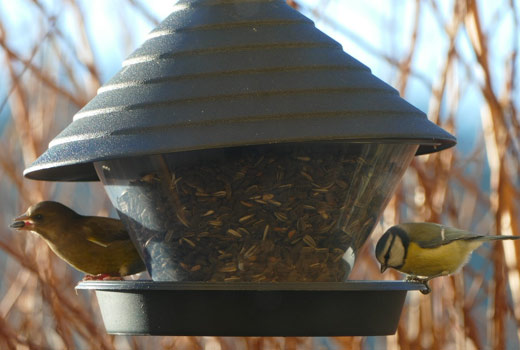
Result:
pixel 222 73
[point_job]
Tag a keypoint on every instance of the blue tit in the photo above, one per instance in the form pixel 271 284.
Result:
pixel 426 250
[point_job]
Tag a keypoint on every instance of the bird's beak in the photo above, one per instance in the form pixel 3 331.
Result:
pixel 22 222
pixel 383 268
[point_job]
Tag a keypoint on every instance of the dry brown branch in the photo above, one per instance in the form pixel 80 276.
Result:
pixel 406 63
pixel 39 73
pixel 49 77
pixel 86 43
pixel 452 31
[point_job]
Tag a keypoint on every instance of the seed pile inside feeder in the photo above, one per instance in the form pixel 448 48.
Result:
pixel 264 213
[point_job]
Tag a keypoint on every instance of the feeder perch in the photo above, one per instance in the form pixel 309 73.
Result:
pixel 250 158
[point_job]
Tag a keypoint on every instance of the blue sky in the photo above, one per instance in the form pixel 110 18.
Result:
pixel 354 24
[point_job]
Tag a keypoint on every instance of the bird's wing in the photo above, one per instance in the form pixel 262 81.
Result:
pixel 431 235
pixel 104 231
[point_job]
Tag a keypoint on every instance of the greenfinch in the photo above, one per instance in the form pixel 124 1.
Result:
pixel 97 246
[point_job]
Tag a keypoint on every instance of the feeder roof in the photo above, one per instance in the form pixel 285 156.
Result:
pixel 223 73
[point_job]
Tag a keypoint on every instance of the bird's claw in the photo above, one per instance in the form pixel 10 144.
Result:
pixel 412 278
pixel 424 281
pixel 427 290
pixel 102 277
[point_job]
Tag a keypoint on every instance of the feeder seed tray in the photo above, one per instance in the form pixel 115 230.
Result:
pixel 251 309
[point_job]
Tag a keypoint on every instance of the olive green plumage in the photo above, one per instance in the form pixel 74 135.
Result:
pixel 427 250
pixel 432 235
pixel 91 244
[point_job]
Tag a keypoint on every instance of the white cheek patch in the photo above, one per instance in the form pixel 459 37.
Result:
pixel 397 252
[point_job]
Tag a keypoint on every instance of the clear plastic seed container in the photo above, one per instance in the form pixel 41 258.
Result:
pixel 269 213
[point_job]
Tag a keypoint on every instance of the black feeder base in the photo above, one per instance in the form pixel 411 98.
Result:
pixel 353 308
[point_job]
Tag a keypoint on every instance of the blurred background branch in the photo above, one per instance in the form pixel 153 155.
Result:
pixel 457 60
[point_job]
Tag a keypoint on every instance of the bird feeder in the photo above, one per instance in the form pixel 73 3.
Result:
pixel 250 158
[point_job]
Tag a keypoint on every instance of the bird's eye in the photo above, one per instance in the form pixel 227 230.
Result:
pixel 38 217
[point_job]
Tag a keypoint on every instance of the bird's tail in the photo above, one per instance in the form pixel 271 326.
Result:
pixel 496 238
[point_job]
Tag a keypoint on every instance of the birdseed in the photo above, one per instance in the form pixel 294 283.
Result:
pixel 260 213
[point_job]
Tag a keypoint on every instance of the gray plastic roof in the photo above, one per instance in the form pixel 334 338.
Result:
pixel 223 73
